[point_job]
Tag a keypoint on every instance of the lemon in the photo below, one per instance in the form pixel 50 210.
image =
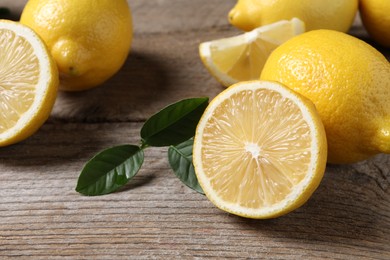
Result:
pixel 259 150
pixel 242 57
pixel 376 19
pixel 28 82
pixel 89 40
pixel 317 14
pixel 348 81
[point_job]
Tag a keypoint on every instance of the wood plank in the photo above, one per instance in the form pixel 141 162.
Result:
pixel 156 216
pixel 157 16
pixel 155 75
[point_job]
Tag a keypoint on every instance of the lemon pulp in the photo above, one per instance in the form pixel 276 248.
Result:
pixel 28 82
pixel 242 57
pixel 18 69
pixel 259 151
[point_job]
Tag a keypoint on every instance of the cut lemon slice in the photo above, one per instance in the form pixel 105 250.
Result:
pixel 28 82
pixel 259 150
pixel 242 57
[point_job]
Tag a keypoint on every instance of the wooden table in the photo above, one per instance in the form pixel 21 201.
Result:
pixel 155 216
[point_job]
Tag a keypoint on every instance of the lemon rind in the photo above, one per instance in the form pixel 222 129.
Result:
pixel 298 27
pixel 315 170
pixel 28 122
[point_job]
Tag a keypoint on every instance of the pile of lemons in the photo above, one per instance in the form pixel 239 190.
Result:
pixel 69 45
pixel 300 92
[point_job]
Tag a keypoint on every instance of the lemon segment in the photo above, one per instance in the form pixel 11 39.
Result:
pixel 28 82
pixel 259 150
pixel 242 57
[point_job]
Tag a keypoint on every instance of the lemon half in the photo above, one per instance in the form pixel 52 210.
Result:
pixel 259 150
pixel 28 82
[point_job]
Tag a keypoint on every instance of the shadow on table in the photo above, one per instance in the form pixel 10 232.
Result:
pixel 70 132
pixel 138 181
pixel 128 96
pixel 7 14
pixel 346 208
pixel 361 33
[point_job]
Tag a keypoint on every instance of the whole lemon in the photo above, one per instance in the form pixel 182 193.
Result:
pixel 89 40
pixel 317 14
pixel 348 81
pixel 376 19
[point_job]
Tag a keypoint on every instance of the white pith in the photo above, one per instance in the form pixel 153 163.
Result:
pixel 43 79
pixel 255 151
pixel 294 26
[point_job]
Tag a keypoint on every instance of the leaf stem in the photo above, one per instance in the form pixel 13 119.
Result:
pixel 144 145
pixel 113 168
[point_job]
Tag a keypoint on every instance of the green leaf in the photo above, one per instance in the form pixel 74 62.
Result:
pixel 109 170
pixel 174 124
pixel 180 159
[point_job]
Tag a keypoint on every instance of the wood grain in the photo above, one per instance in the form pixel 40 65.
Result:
pixel 155 216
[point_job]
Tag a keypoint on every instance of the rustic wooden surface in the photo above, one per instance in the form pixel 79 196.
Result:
pixel 155 216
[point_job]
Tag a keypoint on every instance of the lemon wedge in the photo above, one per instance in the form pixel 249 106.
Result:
pixel 260 150
pixel 28 82
pixel 242 57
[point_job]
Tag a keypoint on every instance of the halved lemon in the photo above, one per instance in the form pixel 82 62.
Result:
pixel 242 57
pixel 259 150
pixel 28 82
